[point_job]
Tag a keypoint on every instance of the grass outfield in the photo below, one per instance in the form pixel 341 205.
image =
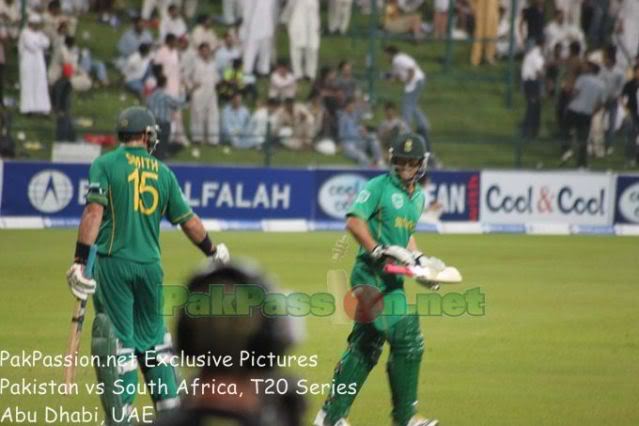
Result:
pixel 558 345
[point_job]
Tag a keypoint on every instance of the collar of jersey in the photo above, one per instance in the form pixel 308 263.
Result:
pixel 398 183
pixel 133 148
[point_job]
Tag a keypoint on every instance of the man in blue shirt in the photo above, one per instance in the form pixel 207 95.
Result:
pixel 357 143
pixel 236 120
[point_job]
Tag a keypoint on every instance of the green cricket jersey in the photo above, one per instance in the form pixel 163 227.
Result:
pixel 136 190
pixel 391 214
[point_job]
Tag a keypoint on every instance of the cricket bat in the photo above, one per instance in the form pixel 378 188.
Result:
pixel 450 274
pixel 77 320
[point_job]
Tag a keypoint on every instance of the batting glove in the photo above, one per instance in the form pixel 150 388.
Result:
pixel 398 253
pixel 433 265
pixel 80 286
pixel 221 254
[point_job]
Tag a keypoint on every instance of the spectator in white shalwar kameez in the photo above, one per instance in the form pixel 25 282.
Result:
pixel 303 21
pixel 203 32
pixel 627 36
pixel 339 15
pixel 172 23
pixel 34 91
pixel 205 119
pixel 256 34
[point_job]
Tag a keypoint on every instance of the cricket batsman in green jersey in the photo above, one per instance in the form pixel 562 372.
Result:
pixel 129 193
pixel 382 220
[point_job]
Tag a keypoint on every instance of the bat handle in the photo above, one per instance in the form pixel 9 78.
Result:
pixel 397 269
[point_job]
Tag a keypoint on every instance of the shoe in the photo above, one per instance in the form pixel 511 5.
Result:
pixel 566 156
pixel 321 415
pixel 420 421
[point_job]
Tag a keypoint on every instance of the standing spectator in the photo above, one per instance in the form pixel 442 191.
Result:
pixel 53 17
pixel 190 7
pixel 440 18
pixel 627 37
pixel 587 98
pixel 160 6
pixel 357 143
pixel 137 70
pixel 560 32
pixel 205 119
pixel 406 70
pixel 203 32
pixel 172 23
pixel 630 95
pixel 303 21
pixel 391 126
pixel 486 25
pixel 256 33
pixel 168 57
pixel 531 26
pixel 345 81
pixel 236 120
pixel 232 11
pixel 397 22
pixel 283 84
pixel 226 53
pixel 532 73
pixel 163 106
pixel 10 17
pixel 572 9
pixel 572 69
pixel 613 78
pixel 339 15
pixel 326 88
pixel 599 23
pixel 61 92
pixel 34 92
pixel 131 40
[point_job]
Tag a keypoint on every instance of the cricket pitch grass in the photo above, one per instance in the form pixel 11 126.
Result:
pixel 558 343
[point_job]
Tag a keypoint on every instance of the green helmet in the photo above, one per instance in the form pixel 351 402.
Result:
pixel 136 120
pixel 409 146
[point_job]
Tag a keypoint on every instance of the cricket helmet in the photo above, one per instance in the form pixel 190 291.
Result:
pixel 409 146
pixel 223 335
pixel 136 120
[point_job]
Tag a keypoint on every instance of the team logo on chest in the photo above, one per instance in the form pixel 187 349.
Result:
pixel 397 200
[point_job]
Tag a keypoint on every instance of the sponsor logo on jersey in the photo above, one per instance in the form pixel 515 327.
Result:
pixel 398 200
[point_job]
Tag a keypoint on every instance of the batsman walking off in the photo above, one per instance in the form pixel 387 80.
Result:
pixel 382 220
pixel 129 193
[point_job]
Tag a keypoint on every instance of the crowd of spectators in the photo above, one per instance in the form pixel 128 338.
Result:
pixel 583 61
pixel 175 60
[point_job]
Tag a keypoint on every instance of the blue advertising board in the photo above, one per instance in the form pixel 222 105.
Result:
pixel 57 191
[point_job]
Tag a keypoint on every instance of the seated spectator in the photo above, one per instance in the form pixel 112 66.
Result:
pixel 356 142
pixel 172 23
pixel 283 84
pixel 93 67
pixel 234 81
pixel 391 126
pixel 264 120
pixel 67 57
pixel 296 126
pixel 227 53
pixel 138 69
pixel 317 110
pixel 203 32
pixel 131 40
pixel 397 22
pixel 236 124
pixel 560 32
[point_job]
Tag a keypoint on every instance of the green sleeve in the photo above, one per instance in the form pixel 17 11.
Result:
pixel 178 210
pixel 367 200
pixel 98 184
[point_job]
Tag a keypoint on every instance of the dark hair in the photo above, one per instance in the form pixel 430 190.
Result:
pixel 201 19
pixel 69 41
pixel 144 49
pixel 161 80
pixel 390 105
pixel 170 37
pixel 272 102
pixel 342 64
pixel 391 50
pixel 575 48
pixel 128 136
pixel 203 45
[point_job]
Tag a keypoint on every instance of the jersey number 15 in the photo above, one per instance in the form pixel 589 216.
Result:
pixel 140 187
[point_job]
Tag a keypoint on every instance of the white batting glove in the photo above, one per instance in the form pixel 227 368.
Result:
pixel 398 253
pixel 221 254
pixel 80 286
pixel 432 265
